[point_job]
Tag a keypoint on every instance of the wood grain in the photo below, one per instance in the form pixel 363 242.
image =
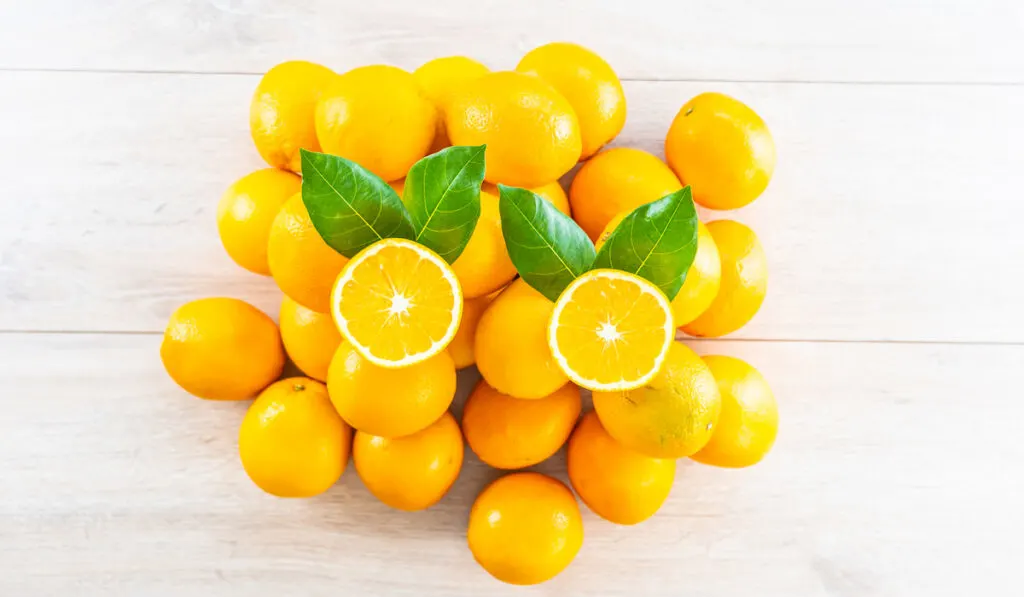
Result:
pixel 891 476
pixel 892 216
pixel 790 40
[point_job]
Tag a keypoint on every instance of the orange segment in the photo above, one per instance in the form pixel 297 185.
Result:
pixel 397 302
pixel 610 330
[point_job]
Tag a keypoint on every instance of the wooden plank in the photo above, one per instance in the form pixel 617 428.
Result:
pixel 892 475
pixel 792 40
pixel 108 221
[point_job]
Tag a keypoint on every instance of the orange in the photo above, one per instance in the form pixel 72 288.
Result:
pixel 749 421
pixel 281 116
pixel 702 279
pixel 310 338
pixel 525 528
pixel 672 416
pixel 247 210
pixel 439 79
pixel 531 132
pixel 222 349
pixel 618 484
pixel 463 344
pixel 591 86
pixel 512 351
pixel 302 264
pixel 722 149
pixel 378 117
pixel 484 265
pixel 390 402
pixel 397 302
pixel 617 180
pixel 510 433
pixel 412 472
pixel 610 330
pixel 292 442
pixel 744 281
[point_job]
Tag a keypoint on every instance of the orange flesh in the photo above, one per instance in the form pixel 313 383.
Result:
pixel 601 310
pixel 397 303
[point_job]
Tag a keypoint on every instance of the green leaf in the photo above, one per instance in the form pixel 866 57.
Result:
pixel 442 194
pixel 656 241
pixel 351 207
pixel 548 249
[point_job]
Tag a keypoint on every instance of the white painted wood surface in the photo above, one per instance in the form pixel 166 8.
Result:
pixel 892 333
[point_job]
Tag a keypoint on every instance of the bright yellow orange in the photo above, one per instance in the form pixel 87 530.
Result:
pixel 617 180
pixel 610 330
pixel 302 264
pixel 379 117
pixel 744 281
pixel 722 149
pixel 397 302
pixel 281 116
pixel 702 279
pixel 749 421
pixel 484 265
pixel 222 349
pixel 247 210
pixel 672 416
pixel 411 472
pixel 588 82
pixel 531 131
pixel 462 347
pixel 442 77
pixel 509 433
pixel 525 528
pixel 390 402
pixel 310 338
pixel 512 351
pixel 618 484
pixel 292 442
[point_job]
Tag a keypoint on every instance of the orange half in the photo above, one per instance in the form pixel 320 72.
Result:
pixel 397 302
pixel 611 330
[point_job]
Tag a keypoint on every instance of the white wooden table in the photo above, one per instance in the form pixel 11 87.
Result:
pixel 892 333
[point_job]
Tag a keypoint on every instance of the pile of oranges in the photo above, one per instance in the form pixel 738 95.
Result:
pixel 378 388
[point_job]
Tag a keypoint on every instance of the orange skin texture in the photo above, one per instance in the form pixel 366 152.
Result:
pixel 412 472
pixel 281 115
pixel 247 210
pixel 673 416
pixel 525 528
pixel 484 265
pixel 722 149
pixel 531 131
pixel 749 422
pixel 390 402
pixel 292 442
pixel 440 78
pixel 617 180
pixel 618 484
pixel 222 349
pixel 744 281
pixel 462 347
pixel 509 433
pixel 588 82
pixel 379 117
pixel 302 264
pixel 512 350
pixel 310 338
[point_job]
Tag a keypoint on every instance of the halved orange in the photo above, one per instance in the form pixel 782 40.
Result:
pixel 611 330
pixel 397 302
